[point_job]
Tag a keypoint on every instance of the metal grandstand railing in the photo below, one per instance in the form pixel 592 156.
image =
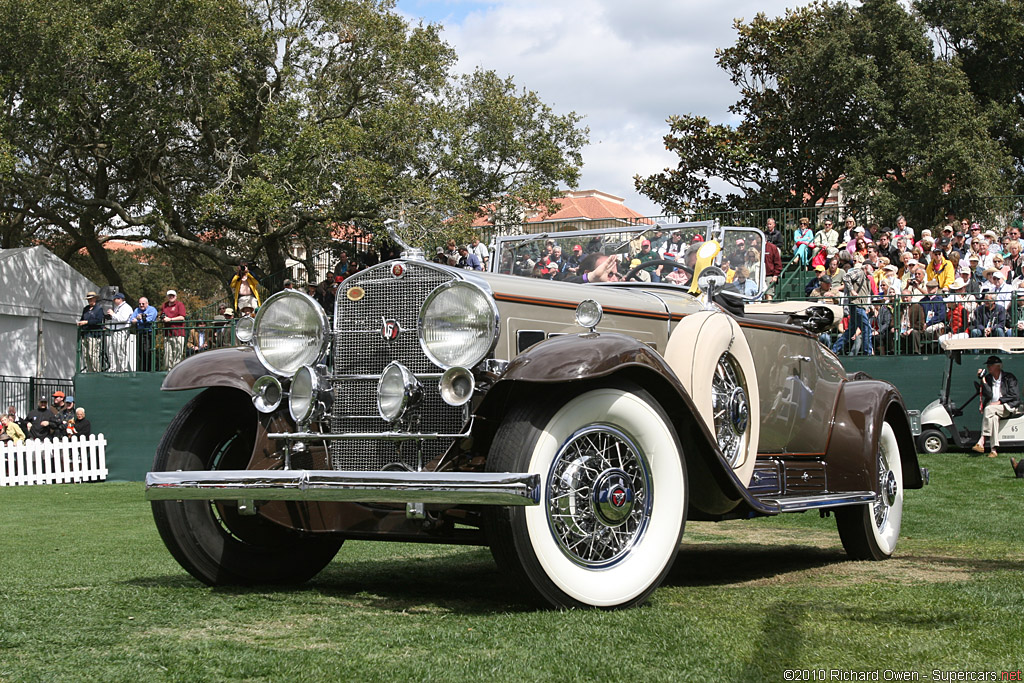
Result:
pixel 24 392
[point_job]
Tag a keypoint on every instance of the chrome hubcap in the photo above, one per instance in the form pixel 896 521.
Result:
pixel 731 408
pixel 931 444
pixel 599 496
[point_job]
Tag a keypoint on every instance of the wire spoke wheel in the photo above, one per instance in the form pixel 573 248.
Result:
pixel 599 498
pixel 731 408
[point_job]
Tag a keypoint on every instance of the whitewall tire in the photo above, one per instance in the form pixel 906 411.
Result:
pixel 613 503
pixel 870 532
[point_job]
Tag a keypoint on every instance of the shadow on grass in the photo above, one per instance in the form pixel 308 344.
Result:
pixel 465 581
pixel 723 564
pixel 700 564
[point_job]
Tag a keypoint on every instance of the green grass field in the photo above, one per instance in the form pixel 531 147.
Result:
pixel 90 593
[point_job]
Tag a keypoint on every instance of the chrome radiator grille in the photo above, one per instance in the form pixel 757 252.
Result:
pixel 360 355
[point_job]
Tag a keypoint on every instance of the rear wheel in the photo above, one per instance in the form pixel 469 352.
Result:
pixel 613 504
pixel 870 532
pixel 932 441
pixel 216 431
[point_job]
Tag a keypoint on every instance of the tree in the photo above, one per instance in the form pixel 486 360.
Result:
pixel 982 38
pixel 230 129
pixel 830 92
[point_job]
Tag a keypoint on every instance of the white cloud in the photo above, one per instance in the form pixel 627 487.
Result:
pixel 625 66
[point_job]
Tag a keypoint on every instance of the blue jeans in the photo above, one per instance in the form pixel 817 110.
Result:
pixel 858 318
pixel 996 332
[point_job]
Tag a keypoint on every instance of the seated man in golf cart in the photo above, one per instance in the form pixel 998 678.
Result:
pixel 1000 398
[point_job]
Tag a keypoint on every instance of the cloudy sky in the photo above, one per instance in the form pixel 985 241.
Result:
pixel 625 65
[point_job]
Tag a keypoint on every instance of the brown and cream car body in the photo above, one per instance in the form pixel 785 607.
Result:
pixel 573 428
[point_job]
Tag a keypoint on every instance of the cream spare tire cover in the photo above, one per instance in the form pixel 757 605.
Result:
pixel 711 357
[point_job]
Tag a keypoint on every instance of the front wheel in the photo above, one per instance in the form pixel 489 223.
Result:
pixel 218 546
pixel 870 532
pixel 613 504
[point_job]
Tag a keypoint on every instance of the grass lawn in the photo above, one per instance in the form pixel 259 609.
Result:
pixel 88 592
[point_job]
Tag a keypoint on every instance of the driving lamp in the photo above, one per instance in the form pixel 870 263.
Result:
pixel 397 391
pixel 308 395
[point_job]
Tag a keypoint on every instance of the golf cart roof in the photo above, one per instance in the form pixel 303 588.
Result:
pixel 1003 344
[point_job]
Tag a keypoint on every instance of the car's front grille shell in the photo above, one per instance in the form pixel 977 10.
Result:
pixel 361 353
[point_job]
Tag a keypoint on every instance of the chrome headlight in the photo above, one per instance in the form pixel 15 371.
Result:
pixel 397 391
pixel 458 325
pixel 290 331
pixel 309 394
pixel 244 329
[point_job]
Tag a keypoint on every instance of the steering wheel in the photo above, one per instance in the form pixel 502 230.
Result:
pixel 631 273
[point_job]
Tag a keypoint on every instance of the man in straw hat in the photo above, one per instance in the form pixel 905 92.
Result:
pixel 1000 398
pixel 91 327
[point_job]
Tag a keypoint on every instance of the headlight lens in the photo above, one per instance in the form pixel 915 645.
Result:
pixel 290 331
pixel 458 325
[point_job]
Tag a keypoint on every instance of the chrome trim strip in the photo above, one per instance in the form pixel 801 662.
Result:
pixel 820 500
pixel 384 436
pixel 457 488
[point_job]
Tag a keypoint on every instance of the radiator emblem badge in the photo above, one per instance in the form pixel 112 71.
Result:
pixel 389 329
pixel 355 293
pixel 397 270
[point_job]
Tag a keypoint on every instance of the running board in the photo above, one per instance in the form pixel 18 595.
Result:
pixel 820 500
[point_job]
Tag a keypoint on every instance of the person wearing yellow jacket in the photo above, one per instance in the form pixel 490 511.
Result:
pixel 246 289
pixel 940 269
pixel 10 429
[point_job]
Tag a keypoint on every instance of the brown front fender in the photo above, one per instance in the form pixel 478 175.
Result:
pixel 236 367
pixel 597 358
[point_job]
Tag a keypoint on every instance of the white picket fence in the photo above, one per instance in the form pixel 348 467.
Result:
pixel 60 461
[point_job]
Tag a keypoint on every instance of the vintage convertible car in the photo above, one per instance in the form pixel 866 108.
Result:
pixel 573 428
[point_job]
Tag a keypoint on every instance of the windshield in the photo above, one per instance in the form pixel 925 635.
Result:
pixel 558 255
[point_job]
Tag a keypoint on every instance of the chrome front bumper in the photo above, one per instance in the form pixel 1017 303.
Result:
pixel 452 488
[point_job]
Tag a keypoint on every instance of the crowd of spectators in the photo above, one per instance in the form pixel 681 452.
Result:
pixel 55 417
pixel 903 290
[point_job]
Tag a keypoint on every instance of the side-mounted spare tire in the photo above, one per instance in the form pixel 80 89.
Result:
pixel 216 430
pixel 711 357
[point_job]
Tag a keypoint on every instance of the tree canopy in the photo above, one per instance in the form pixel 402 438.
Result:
pixel 231 129
pixel 830 92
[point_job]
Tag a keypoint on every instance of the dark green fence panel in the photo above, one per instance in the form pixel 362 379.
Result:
pixel 132 412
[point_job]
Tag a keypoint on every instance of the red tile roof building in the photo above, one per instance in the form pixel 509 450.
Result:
pixel 577 209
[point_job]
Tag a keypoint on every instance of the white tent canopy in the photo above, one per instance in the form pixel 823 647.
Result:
pixel 41 301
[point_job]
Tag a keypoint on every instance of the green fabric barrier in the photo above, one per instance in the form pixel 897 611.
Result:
pixel 919 378
pixel 131 411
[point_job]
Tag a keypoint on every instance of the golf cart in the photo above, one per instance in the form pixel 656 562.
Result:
pixel 946 422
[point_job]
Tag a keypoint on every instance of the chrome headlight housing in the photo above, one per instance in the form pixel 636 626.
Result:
pixel 458 324
pixel 309 395
pixel 397 391
pixel 290 330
